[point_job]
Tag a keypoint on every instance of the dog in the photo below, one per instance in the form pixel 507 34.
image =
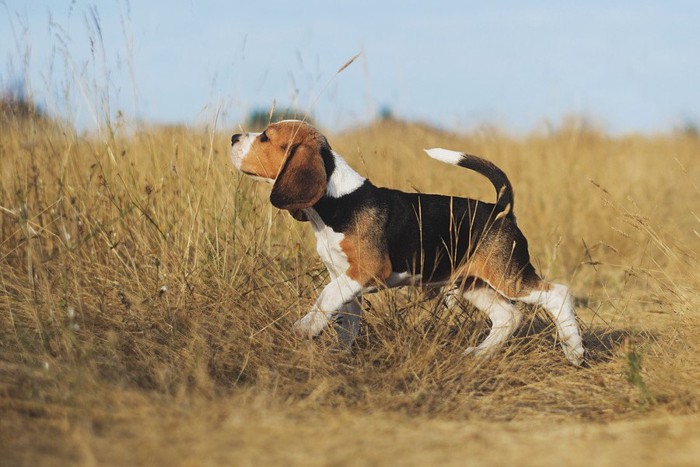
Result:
pixel 371 238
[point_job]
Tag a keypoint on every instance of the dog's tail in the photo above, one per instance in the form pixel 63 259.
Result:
pixel 504 190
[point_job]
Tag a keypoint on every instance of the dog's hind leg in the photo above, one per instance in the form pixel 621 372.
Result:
pixel 557 300
pixel 508 270
pixel 450 298
pixel 504 317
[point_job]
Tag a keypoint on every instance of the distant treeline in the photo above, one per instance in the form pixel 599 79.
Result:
pixel 260 118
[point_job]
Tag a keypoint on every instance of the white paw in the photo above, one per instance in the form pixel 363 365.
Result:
pixel 484 352
pixel 310 325
pixel 574 352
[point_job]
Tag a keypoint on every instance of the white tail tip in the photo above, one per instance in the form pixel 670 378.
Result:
pixel 445 155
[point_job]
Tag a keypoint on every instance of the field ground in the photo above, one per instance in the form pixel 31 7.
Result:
pixel 224 433
pixel 147 292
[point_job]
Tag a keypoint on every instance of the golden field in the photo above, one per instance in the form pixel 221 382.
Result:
pixel 147 293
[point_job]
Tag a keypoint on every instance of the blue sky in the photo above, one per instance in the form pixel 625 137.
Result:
pixel 628 65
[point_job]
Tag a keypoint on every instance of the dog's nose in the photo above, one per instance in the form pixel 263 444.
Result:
pixel 235 138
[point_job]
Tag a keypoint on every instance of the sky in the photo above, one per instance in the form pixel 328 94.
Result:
pixel 627 65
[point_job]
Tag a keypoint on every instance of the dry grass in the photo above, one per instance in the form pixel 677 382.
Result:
pixel 147 293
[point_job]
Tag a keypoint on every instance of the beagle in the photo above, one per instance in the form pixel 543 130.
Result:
pixel 371 237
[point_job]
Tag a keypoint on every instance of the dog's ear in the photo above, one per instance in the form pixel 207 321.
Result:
pixel 301 181
pixel 299 215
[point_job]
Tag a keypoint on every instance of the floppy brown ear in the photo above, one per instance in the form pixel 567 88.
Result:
pixel 302 180
pixel 299 215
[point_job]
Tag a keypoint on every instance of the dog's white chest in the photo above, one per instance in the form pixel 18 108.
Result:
pixel 328 245
pixel 328 248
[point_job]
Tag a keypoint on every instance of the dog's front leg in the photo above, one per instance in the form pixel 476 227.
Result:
pixel 347 324
pixel 340 291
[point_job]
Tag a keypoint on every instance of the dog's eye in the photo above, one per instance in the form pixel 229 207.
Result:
pixel 264 138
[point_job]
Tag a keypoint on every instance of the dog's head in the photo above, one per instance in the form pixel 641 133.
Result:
pixel 292 155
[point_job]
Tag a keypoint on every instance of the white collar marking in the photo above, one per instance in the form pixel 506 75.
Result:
pixel 344 179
